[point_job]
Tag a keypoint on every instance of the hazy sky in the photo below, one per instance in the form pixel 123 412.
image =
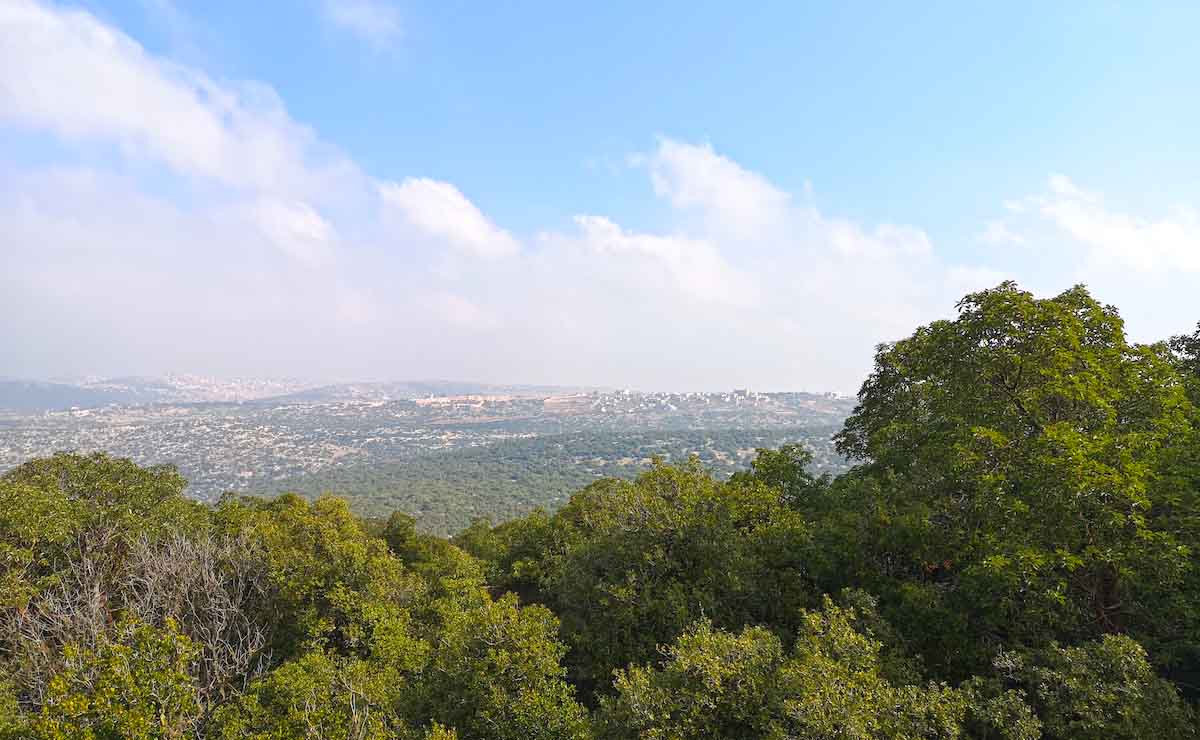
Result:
pixel 691 196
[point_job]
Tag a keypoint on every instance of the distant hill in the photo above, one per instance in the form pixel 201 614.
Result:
pixel 32 396
pixel 401 390
pixel 26 396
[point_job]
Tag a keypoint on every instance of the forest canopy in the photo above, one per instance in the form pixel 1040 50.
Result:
pixel 1014 555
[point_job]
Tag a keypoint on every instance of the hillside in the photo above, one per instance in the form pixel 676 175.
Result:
pixel 445 491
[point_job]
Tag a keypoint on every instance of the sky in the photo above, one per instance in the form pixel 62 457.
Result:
pixel 670 195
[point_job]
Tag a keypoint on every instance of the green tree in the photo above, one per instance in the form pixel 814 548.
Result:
pixel 834 688
pixel 714 684
pixel 1186 350
pixel 13 722
pixel 433 557
pixel 1105 689
pixel 1175 637
pixel 335 587
pixel 135 686
pixel 628 565
pixel 1013 454
pixel 495 673
pixel 315 696
pixel 51 507
pixel 785 469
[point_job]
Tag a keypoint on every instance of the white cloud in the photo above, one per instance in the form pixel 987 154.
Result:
pixel 297 229
pixel 695 266
pixel 1144 264
pixel 374 21
pixel 809 295
pixel 440 210
pixel 692 176
pixel 886 240
pixel 230 259
pixel 998 234
pixel 1113 239
pixel 1061 185
pixel 1158 245
pixel 462 312
pixel 270 252
pixel 65 71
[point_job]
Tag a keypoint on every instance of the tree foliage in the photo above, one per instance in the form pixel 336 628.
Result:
pixel 1015 556
pixel 1014 456
pixel 628 565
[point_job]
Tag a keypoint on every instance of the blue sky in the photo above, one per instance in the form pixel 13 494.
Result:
pixel 607 193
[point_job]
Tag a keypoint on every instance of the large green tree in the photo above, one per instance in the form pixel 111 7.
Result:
pixel 628 565
pixel 832 684
pixel 334 587
pixel 52 508
pixel 1010 491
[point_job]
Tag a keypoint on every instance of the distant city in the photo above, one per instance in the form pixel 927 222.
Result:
pixel 356 439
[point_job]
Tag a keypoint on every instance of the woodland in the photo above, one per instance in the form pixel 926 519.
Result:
pixel 1014 553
